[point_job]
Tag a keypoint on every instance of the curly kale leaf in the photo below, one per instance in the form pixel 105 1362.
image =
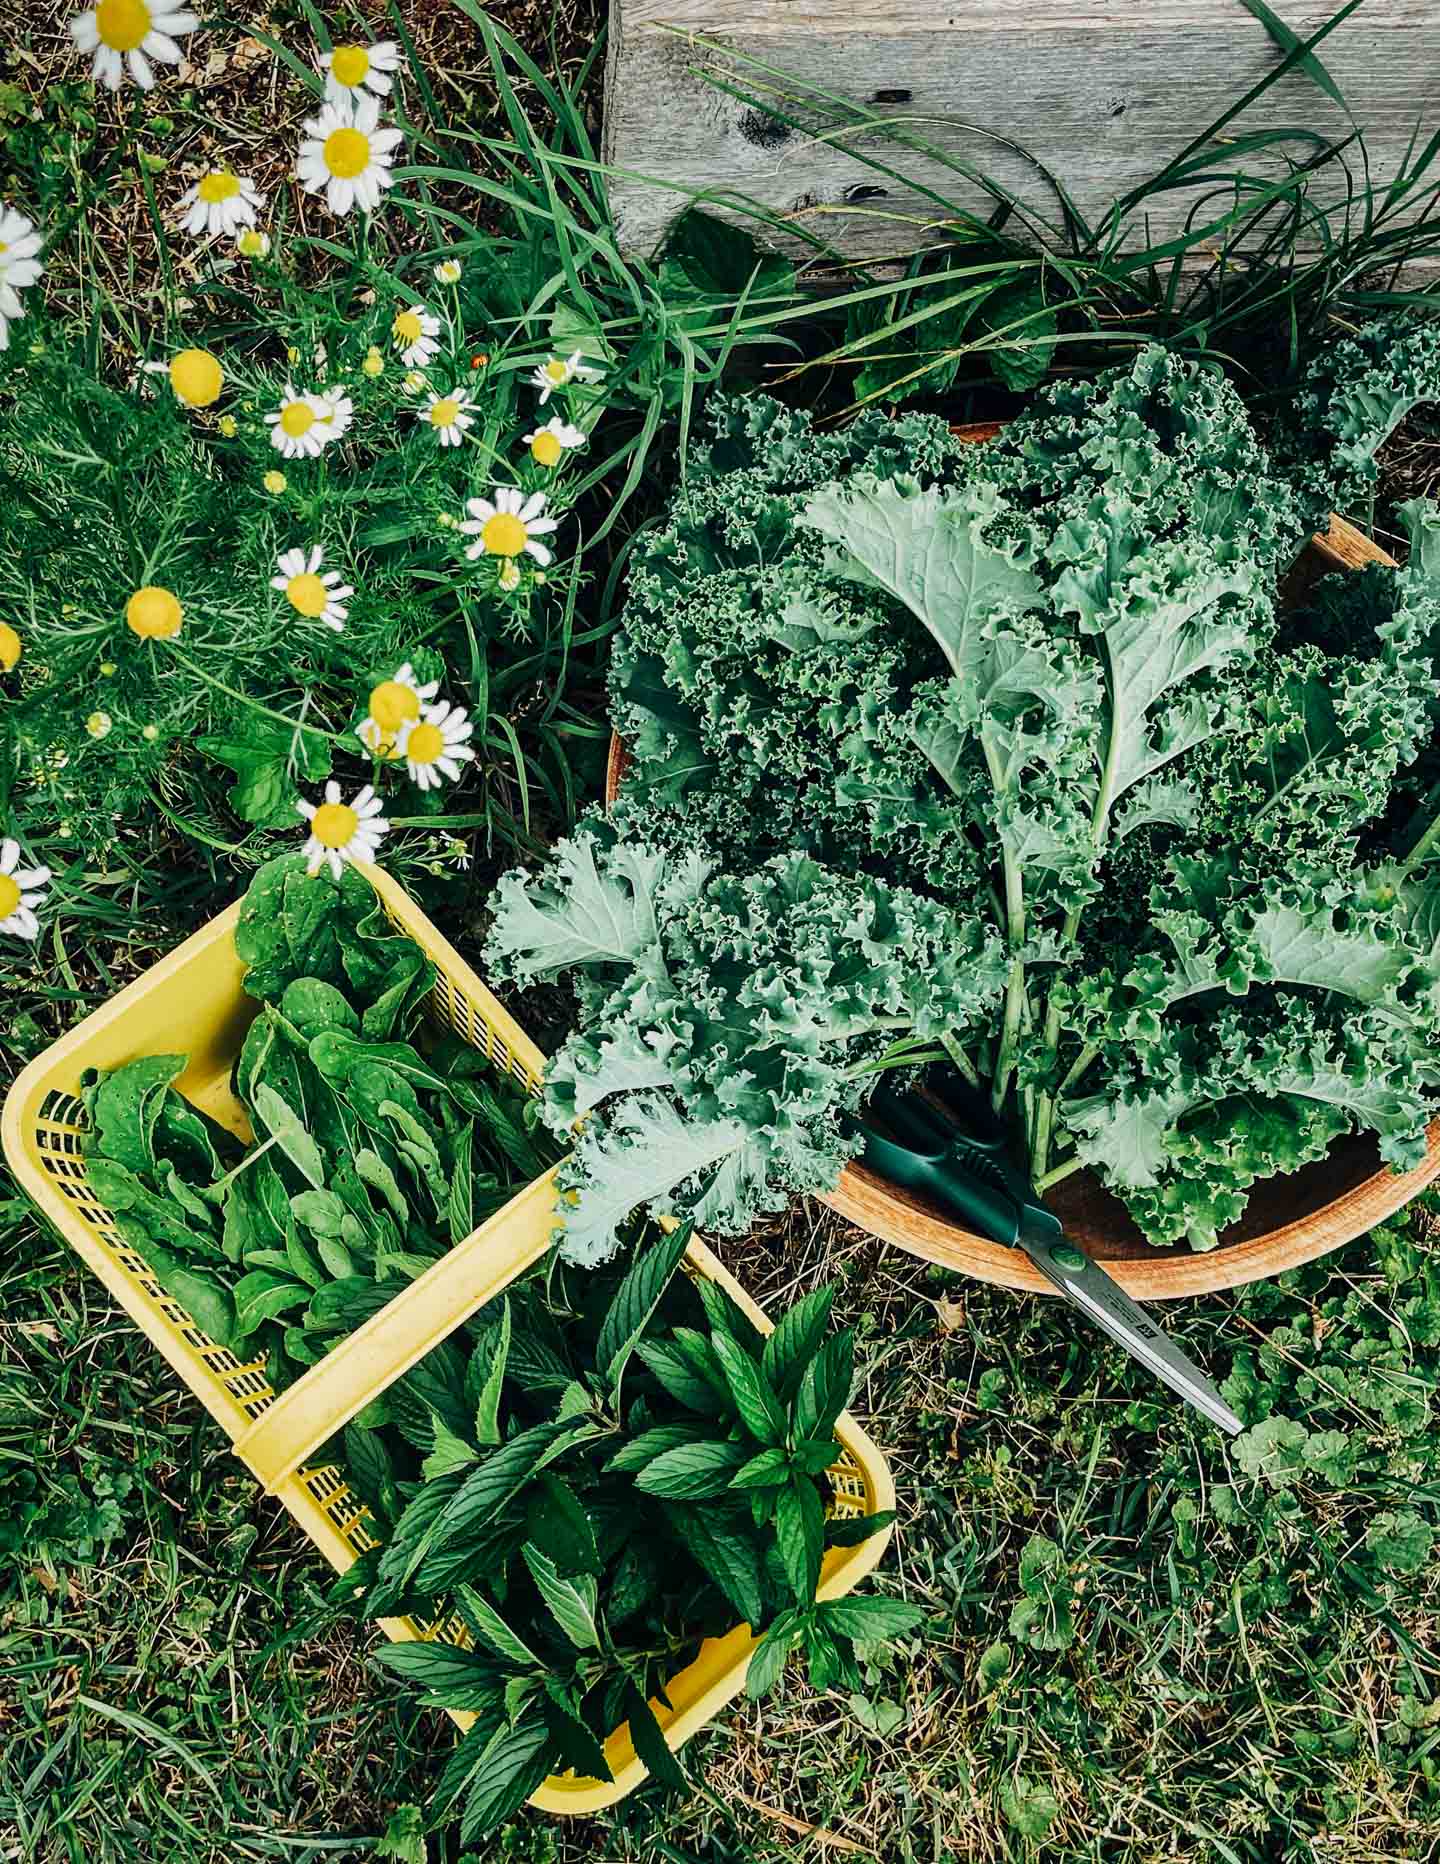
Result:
pixel 719 1050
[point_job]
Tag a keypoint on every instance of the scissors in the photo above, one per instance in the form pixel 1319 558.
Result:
pixel 967 1166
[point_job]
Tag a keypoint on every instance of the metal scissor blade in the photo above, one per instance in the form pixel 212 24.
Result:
pixel 1097 1294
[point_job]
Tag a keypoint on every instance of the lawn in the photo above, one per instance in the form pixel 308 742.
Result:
pixel 1142 1640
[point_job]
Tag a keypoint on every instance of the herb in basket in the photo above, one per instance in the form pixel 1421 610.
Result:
pixel 371 1157
pixel 1008 760
pixel 615 1467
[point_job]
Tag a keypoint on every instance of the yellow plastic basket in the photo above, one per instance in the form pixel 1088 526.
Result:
pixel 193 1001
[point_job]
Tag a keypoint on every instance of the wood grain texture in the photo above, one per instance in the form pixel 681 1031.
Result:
pixel 1023 17
pixel 1104 96
pixel 1289 1219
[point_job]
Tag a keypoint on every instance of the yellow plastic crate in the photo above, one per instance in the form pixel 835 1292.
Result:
pixel 193 1001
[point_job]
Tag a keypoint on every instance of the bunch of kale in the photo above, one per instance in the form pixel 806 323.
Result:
pixel 1150 856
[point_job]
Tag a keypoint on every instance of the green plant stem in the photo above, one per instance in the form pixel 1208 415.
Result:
pixel 1057 1172
pixel 958 1056
pixel 215 1193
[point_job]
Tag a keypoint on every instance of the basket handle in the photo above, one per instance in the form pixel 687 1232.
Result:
pixel 368 1361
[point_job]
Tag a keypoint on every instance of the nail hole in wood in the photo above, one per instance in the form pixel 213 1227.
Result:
pixel 891 97
pixel 862 191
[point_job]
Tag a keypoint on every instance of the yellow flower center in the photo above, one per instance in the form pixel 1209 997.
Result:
pixel 153 613
pixel 4 247
pixel 406 327
pixel 251 243
pixel 347 153
pixel 296 418
pixel 504 535
pixel 391 704
pixel 9 647
pixel 196 377
pixel 425 744
pixel 443 413
pixel 557 371
pixel 122 24
pixel 349 64
pixel 334 825
pixel 218 186
pixel 307 594
pixel 546 448
pixel 9 896
pixel 274 482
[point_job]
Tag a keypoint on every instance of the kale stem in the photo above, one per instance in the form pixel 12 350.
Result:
pixel 1057 1172
pixel 1077 1067
pixel 1426 844
pixel 1015 937
pixel 958 1056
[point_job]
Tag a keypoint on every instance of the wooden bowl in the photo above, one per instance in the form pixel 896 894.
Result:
pixel 1289 1219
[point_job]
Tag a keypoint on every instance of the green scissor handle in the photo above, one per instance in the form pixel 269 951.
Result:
pixel 967 1169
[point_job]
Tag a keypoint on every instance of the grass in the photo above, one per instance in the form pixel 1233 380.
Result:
pixel 1245 1680
pixel 1143 1645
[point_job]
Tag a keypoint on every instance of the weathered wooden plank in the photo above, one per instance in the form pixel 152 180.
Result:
pixel 1103 96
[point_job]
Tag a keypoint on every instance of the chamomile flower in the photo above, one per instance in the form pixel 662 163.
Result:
pixel 195 375
pixel 436 745
pixel 22 889
pixel 448 271
pixel 508 523
pixel 340 409
pixel 341 832
pixel 220 202
pixel 99 724
pixel 253 243
pixel 350 70
pixel 374 363
pixel 130 33
pixel 413 333
pixel 315 596
pixel 561 371
pixel 302 426
pixel 414 382
pixel 346 156
pixel 449 415
pixel 274 483
pixel 394 704
pixel 19 266
pixel 549 444
pixel 154 613
pixel 11 647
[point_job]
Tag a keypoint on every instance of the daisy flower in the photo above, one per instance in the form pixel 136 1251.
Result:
pixel 394 704
pixel 350 70
pixel 19 266
pixel 413 333
pixel 449 415
pixel 310 594
pixel 346 156
pixel 448 271
pixel 253 243
pixel 302 425
pixel 549 444
pixel 22 889
pixel 560 371
pixel 220 203
pixel 341 832
pixel 131 32
pixel 436 745
pixel 507 523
